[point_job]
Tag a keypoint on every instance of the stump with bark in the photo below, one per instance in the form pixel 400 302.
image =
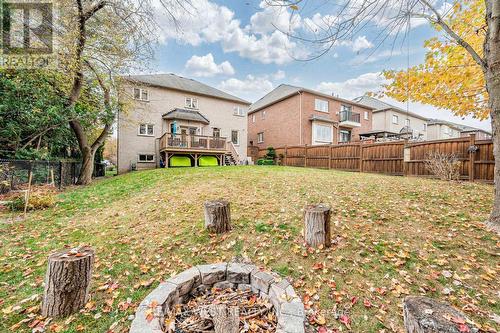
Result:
pixel 67 281
pixel 217 216
pixel 426 315
pixel 317 225
pixel 226 320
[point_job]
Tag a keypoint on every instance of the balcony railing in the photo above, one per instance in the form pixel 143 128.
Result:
pixel 349 116
pixel 193 142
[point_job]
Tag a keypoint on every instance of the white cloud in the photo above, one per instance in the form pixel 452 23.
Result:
pixel 251 88
pixel 208 22
pixel 279 75
pixel 361 43
pixel 205 66
pixel 368 82
pixel 271 18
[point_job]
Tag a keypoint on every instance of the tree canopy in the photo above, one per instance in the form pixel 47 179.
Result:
pixel 450 78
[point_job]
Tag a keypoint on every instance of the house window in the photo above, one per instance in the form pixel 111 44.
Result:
pixel 395 119
pixel 322 133
pixel 260 137
pixel 321 105
pixel 253 118
pixel 263 114
pixel 239 111
pixel 146 158
pixel 141 94
pixel 191 103
pixel 366 115
pixel 424 128
pixel 235 137
pixel 216 132
pixel 146 129
pixel 407 122
pixel 345 136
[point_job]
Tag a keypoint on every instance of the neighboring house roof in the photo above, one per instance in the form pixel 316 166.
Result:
pixel 460 127
pixel 380 106
pixel 172 81
pixel 190 115
pixel 283 91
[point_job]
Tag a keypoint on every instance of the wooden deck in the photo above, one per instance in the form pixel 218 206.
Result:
pixel 192 144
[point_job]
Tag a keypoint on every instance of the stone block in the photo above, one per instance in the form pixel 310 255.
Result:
pixel 165 295
pixel 239 273
pixel 290 324
pixel 281 292
pixel 244 287
pixel 211 274
pixel 294 308
pixel 224 285
pixel 261 281
pixel 186 280
pixel 141 325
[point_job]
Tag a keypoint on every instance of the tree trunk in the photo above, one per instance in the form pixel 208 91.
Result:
pixel 425 315
pixel 67 282
pixel 85 176
pixel 317 226
pixel 217 216
pixel 226 320
pixel 492 75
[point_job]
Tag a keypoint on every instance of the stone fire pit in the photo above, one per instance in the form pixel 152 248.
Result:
pixel 288 307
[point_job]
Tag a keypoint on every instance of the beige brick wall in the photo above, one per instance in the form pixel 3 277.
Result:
pixel 284 125
pixel 161 100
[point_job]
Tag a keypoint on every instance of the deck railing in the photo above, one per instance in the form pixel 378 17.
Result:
pixel 194 142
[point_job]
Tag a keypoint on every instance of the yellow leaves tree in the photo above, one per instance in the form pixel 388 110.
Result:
pixel 450 78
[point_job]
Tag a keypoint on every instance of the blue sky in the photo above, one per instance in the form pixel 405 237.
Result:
pixel 235 46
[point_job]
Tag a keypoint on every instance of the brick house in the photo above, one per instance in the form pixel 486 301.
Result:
pixel 291 115
pixel 176 119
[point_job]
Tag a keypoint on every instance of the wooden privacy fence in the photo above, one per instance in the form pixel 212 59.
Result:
pixel 399 158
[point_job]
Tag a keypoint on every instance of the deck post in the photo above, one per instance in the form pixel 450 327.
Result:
pixel 167 160
pixel 472 157
pixel 285 158
pixel 196 160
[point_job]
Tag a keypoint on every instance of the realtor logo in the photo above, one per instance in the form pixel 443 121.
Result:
pixel 27 38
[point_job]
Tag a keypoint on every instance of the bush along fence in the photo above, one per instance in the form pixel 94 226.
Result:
pixel 470 159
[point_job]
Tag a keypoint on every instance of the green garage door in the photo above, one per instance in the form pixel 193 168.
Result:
pixel 180 161
pixel 205 161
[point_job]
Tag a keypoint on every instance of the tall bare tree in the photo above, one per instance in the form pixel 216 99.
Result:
pixel 100 42
pixel 392 18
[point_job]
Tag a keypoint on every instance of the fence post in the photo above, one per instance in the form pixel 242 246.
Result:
pixel 305 157
pixel 472 156
pixel 60 174
pixel 330 148
pixel 285 162
pixel 406 157
pixel 360 157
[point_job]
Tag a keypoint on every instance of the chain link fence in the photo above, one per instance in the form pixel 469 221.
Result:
pixel 14 174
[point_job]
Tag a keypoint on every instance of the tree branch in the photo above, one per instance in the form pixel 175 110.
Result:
pixel 439 20
pixel 89 13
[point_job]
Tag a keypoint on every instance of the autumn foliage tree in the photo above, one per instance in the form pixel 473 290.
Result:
pixel 450 78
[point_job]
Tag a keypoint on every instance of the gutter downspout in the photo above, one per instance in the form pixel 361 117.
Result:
pixel 300 117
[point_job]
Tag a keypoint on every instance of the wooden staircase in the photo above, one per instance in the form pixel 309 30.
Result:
pixel 231 157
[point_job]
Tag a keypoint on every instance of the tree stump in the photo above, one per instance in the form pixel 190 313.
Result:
pixel 426 315
pixel 217 216
pixel 67 281
pixel 226 320
pixel 317 225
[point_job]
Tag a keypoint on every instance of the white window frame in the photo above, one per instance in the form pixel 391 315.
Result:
pixel 424 127
pixel 143 94
pixel 319 105
pixel 237 143
pixel 146 161
pixel 215 130
pixel 407 122
pixel 395 117
pixel 146 126
pixel 366 116
pixel 259 136
pixel 239 111
pixel 323 139
pixel 263 115
pixel 253 118
pixel 191 103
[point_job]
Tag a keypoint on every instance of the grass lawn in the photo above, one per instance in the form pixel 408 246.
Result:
pixel 393 236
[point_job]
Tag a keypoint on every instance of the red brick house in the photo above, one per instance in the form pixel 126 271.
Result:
pixel 291 115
